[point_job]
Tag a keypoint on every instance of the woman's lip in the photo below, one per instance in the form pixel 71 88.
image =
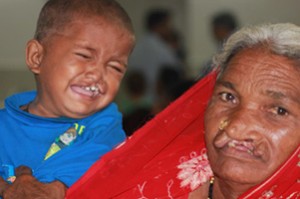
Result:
pixel 237 149
pixel 237 153
pixel 221 140
pixel 242 145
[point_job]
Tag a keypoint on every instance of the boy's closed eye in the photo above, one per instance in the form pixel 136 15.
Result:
pixel 83 55
pixel 117 66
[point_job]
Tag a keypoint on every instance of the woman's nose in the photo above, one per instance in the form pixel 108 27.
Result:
pixel 242 124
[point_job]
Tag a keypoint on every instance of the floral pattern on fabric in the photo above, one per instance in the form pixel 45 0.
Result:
pixel 195 171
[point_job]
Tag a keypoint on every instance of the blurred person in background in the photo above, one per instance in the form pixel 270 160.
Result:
pixel 222 25
pixel 154 49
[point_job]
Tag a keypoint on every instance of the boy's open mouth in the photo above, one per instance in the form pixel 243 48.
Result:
pixel 90 91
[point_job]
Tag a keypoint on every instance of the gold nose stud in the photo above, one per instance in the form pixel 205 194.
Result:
pixel 223 124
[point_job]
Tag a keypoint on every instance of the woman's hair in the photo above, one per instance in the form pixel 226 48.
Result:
pixel 280 39
pixel 56 14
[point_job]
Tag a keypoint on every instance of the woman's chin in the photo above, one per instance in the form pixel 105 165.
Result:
pixel 239 171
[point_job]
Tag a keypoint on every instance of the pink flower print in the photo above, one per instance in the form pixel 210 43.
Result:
pixel 194 172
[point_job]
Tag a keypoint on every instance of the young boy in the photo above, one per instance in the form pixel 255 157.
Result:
pixel 50 137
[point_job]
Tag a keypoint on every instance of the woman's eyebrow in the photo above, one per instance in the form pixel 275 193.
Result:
pixel 278 95
pixel 226 84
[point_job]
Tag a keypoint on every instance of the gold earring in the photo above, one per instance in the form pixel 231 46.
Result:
pixel 223 124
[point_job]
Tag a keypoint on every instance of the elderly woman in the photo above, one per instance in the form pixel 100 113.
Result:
pixel 252 121
pixel 251 127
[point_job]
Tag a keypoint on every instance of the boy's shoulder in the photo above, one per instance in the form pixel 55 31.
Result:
pixel 109 112
pixel 2 111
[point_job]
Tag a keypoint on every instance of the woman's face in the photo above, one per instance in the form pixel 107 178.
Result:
pixel 252 122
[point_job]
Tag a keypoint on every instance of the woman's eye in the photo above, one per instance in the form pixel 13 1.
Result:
pixel 279 111
pixel 227 97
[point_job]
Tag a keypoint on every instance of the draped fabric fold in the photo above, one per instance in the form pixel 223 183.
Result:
pixel 284 183
pixel 166 158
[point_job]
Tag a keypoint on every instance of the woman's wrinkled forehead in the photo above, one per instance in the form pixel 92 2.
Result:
pixel 254 51
pixel 258 68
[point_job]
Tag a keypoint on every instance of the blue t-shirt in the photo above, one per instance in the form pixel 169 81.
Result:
pixel 25 139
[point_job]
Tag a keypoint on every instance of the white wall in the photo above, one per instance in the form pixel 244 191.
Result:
pixel 199 42
pixel 191 17
pixel 17 23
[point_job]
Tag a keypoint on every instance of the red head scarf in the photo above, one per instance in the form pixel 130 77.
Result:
pixel 166 158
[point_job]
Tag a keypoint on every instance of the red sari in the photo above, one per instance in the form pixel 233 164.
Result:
pixel 166 158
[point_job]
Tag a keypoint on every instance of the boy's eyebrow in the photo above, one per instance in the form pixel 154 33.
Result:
pixel 85 46
pixel 82 45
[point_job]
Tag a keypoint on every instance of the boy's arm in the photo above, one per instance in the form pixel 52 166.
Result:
pixel 28 187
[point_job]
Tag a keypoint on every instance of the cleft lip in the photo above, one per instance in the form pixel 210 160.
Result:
pixel 245 146
pixel 91 88
pixel 223 142
pixel 94 89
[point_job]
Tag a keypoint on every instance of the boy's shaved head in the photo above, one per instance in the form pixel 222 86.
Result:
pixel 57 13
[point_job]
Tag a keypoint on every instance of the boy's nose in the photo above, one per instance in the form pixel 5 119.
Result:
pixel 95 74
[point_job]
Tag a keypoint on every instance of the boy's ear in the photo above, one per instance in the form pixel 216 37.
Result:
pixel 34 55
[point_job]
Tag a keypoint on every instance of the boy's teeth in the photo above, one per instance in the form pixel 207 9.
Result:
pixel 94 88
pixel 91 88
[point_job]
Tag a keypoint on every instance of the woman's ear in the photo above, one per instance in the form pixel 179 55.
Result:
pixel 34 55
